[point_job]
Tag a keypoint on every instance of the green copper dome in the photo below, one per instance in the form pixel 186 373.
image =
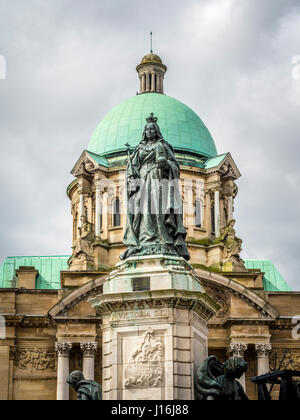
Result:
pixel 179 125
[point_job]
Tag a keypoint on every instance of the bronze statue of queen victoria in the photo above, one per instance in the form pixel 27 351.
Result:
pixel 154 223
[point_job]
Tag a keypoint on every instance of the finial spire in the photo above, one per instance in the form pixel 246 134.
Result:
pixel 151 46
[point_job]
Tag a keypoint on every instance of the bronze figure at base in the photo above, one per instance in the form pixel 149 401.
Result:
pixel 86 390
pixel 218 381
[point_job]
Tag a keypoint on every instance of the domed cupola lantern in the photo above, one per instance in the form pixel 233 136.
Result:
pixel 151 72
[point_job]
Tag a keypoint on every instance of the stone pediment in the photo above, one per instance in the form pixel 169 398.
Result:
pixel 225 165
pixel 88 164
pixel 224 290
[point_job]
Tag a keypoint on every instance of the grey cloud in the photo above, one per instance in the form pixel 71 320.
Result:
pixel 69 62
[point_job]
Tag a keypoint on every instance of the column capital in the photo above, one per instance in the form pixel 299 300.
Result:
pixel 63 349
pixel 89 349
pixel 263 349
pixel 237 349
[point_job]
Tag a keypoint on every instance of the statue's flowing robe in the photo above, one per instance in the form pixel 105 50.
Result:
pixel 154 212
pixel 88 390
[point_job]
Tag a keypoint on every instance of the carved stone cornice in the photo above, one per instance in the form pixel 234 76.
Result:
pixel 228 322
pixel 27 321
pixel 63 349
pixel 201 303
pixel 237 349
pixel 89 349
pixel 263 349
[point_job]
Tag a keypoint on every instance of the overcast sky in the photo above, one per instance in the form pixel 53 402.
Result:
pixel 68 62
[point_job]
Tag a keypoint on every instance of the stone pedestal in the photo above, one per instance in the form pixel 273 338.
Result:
pixel 155 315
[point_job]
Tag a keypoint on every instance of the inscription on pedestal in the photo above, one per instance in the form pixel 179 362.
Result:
pixel 140 314
pixel 140 284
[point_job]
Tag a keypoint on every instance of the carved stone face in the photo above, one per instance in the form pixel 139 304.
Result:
pixel 151 133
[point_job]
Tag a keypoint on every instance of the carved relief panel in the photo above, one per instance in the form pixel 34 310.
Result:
pixel 145 368
pixel 35 360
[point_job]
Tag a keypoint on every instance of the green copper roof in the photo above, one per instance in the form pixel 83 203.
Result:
pixel 99 159
pixel 273 280
pixel 50 267
pixel 179 125
pixel 215 161
pixel 49 270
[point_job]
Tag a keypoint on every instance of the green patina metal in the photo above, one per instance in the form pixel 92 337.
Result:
pixel 49 270
pixel 214 162
pixel 50 267
pixel 180 126
pixel 273 281
pixel 99 159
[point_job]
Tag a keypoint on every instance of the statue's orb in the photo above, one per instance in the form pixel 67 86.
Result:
pixel 179 125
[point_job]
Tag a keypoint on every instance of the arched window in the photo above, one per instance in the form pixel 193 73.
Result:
pixel 198 214
pixel 116 213
pixel 101 215
pixel 213 220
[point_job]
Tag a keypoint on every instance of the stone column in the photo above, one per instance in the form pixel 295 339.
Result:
pixel 230 208
pixel 12 353
pixel 148 76
pixel 143 82
pixel 238 350
pixel 4 372
pixel 152 82
pixel 89 350
pixel 161 78
pixel 157 82
pixel 263 364
pixel 98 210
pixel 63 370
pixel 81 207
pixel 217 213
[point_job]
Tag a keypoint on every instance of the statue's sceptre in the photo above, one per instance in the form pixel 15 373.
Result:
pixel 130 173
pixel 129 159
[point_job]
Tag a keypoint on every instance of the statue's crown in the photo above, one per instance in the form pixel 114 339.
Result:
pixel 152 119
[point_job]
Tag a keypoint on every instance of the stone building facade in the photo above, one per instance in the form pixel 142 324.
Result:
pixel 48 325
